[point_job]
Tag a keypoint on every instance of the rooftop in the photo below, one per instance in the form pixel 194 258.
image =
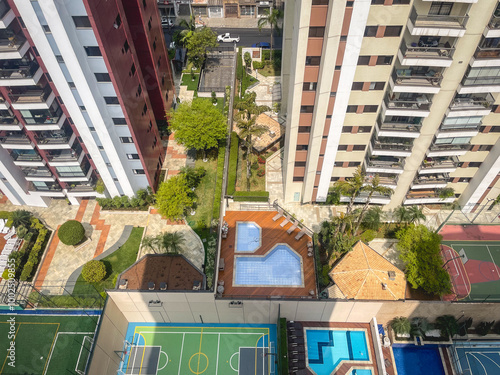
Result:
pixel 364 274
pixel 162 272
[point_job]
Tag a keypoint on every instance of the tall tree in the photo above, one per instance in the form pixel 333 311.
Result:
pixel 373 187
pixel 247 130
pixel 198 124
pixel 174 197
pixel 401 214
pixel 351 189
pixel 373 218
pixel 247 106
pixel 415 214
pixel 197 43
pixel 172 242
pixel 152 243
pixel 272 18
pixel 21 218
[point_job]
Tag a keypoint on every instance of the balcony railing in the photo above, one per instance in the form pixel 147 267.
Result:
pixel 434 163
pixel 81 188
pixel 438 21
pixel 64 155
pixel 422 194
pixel 26 157
pixel 388 162
pixel 448 147
pixel 49 187
pixel 487 53
pixel 53 140
pixel 36 172
pixel 402 127
pixel 19 71
pixel 31 96
pixel 412 78
pixel 9 120
pixel 430 179
pixel 459 128
pixel 426 52
pixel 420 103
pixel 474 102
pixel 15 139
pixel 392 146
pixel 12 43
pixel 494 23
pixel 475 81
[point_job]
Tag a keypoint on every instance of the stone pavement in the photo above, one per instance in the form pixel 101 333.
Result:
pixel 185 95
pixel 244 23
pixel 176 157
pixel 264 89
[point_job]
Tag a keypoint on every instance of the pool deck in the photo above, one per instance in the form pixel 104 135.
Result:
pixel 272 234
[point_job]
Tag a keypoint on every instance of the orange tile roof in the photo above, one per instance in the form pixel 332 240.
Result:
pixel 361 273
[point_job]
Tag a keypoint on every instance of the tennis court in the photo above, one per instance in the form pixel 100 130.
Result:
pixel 47 345
pixel 478 359
pixel 474 269
pixel 199 349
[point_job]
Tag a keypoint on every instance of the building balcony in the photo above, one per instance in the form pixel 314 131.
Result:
pixel 419 54
pixel 414 81
pixel 431 181
pixel 394 129
pixel 55 141
pixel 445 164
pixel 486 57
pixel 16 141
pixel 13 46
pixel 479 85
pixel 37 174
pixel 20 73
pixel 436 25
pixel 6 15
pixel 10 123
pixel 457 1
pixel 426 197
pixel 493 28
pixel 384 164
pixel 83 175
pixel 65 157
pixel 387 180
pixel 29 158
pixel 452 131
pixel 417 106
pixel 477 105
pixel 46 121
pixel 33 99
pixel 45 189
pixel 448 150
pixel 388 148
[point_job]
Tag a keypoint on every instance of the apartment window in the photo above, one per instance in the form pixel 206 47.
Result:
pixel 343 38
pixel 440 8
pixel 353 163
pixel 464 179
pixel 370 108
pixel 371 31
pixel 150 126
pixel 400 2
pixel 392 31
pixel 363 60
pixel 328 116
pixel 119 121
pixel 359 147
pixel 118 22
pixel 349 4
pixel 342 148
pixel 82 108
pixel 111 100
pixel 298 179
pixel 352 108
pixel 302 147
pixel 378 2
pixel 144 109
pixel 92 51
pixel 100 147
pixel 338 164
pixel 46 28
pixel 82 22
pixel 304 129
pixel 133 156
pixel 309 86
pixel 474 164
pixel 102 77
pixel 377 85
pixel 364 129
pixel 154 46
pixel 307 109
pixel 316 32
pixel 356 86
pixel 347 129
pixel 132 70
pixel 139 91
pixel 91 128
pixel 126 140
pixel 485 148
pixel 384 60
pixel 313 60
pixel 144 4
pixel 333 94
pixel 300 163
pixel 59 59
pixel 125 47
pixel 138 171
pixel 71 85
pixel 319 2
pixel 149 25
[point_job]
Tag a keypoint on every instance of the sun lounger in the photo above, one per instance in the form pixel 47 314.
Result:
pixel 221 264
pixel 284 222
pixel 300 234
pixel 278 215
pixel 293 227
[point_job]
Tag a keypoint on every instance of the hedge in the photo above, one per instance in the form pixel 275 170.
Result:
pixel 34 255
pixel 5 215
pixel 218 184
pixel 71 233
pixel 259 64
pixel 233 164
pixel 251 196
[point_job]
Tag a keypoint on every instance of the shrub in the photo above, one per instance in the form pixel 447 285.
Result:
pixel 254 166
pixel 5 215
pixel 401 325
pixel 251 196
pixel 22 231
pixel 94 271
pixel 233 163
pixel 21 217
pixel 99 186
pixel 261 160
pixel 484 328
pixel 368 235
pixel 274 149
pixel 71 233
pixel 496 328
pixel 261 172
pixel 27 270
pixel 258 65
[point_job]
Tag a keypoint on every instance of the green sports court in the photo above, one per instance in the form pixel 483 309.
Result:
pixel 47 344
pixel 199 349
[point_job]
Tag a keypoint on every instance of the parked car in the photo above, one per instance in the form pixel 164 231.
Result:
pixel 227 38
pixel 166 22
pixel 261 45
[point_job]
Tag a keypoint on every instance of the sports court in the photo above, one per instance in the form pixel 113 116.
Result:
pixel 478 359
pixel 199 349
pixel 46 345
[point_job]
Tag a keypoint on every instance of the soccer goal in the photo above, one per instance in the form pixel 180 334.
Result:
pixel 84 356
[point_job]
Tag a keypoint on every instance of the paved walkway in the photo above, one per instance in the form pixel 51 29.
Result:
pixel 264 89
pixel 176 157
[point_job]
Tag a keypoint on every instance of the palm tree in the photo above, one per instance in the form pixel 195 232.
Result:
pixel 189 28
pixel 401 325
pixel 401 214
pixel 419 326
pixel 21 218
pixel 372 188
pixel 172 242
pixel 272 18
pixel 447 324
pixel 373 218
pixel 415 214
pixel 247 106
pixel 153 243
pixel 248 129
pixel 351 187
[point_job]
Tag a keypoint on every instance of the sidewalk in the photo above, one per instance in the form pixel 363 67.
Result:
pixel 235 23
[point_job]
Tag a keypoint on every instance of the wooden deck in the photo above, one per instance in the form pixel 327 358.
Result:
pixel 272 233
pixel 346 368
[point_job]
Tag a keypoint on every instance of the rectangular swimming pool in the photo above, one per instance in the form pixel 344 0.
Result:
pixel 327 348
pixel 417 360
pixel 248 236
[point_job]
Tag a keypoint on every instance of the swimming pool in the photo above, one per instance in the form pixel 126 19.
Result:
pixel 417 360
pixel 280 267
pixel 248 237
pixel 327 348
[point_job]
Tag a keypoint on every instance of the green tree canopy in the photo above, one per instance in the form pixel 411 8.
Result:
pixel 197 43
pixel 419 250
pixel 174 197
pixel 198 124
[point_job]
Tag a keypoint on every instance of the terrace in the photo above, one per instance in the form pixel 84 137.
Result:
pixel 273 232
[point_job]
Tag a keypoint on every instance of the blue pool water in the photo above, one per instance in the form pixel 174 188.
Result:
pixel 417 360
pixel 248 237
pixel 280 267
pixel 327 348
pixel 361 372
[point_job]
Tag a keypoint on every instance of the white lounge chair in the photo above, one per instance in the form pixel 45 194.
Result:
pixel 284 222
pixel 300 234
pixel 293 227
pixel 278 215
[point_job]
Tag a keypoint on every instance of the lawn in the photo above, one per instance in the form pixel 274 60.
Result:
pixel 187 81
pixel 269 71
pixel 220 103
pixel 116 263
pixel 257 183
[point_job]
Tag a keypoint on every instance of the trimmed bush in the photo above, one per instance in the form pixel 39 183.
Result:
pixel 233 164
pixel 251 196
pixel 368 235
pixel 71 233
pixel 94 271
pixel 5 215
pixel 258 64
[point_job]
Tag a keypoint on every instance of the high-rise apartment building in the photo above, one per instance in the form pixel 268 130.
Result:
pixel 409 90
pixel 84 86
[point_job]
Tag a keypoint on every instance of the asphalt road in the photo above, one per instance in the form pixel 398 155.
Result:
pixel 247 36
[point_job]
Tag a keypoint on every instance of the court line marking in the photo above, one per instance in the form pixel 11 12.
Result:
pixel 45 368
pixel 467 282
pixel 217 362
pixel 7 356
pixel 143 352
pixel 166 363
pixel 199 352
pixel 488 358
pixel 79 354
pixel 180 358
pixel 493 260
pixel 481 363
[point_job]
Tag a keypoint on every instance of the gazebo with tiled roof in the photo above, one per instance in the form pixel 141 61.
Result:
pixel 364 274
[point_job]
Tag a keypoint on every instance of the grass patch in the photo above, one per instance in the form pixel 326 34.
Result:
pixel 270 71
pixel 187 81
pixel 233 163
pixel 251 196
pixel 218 185
pixel 256 182
pixel 220 103
pixel 116 263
